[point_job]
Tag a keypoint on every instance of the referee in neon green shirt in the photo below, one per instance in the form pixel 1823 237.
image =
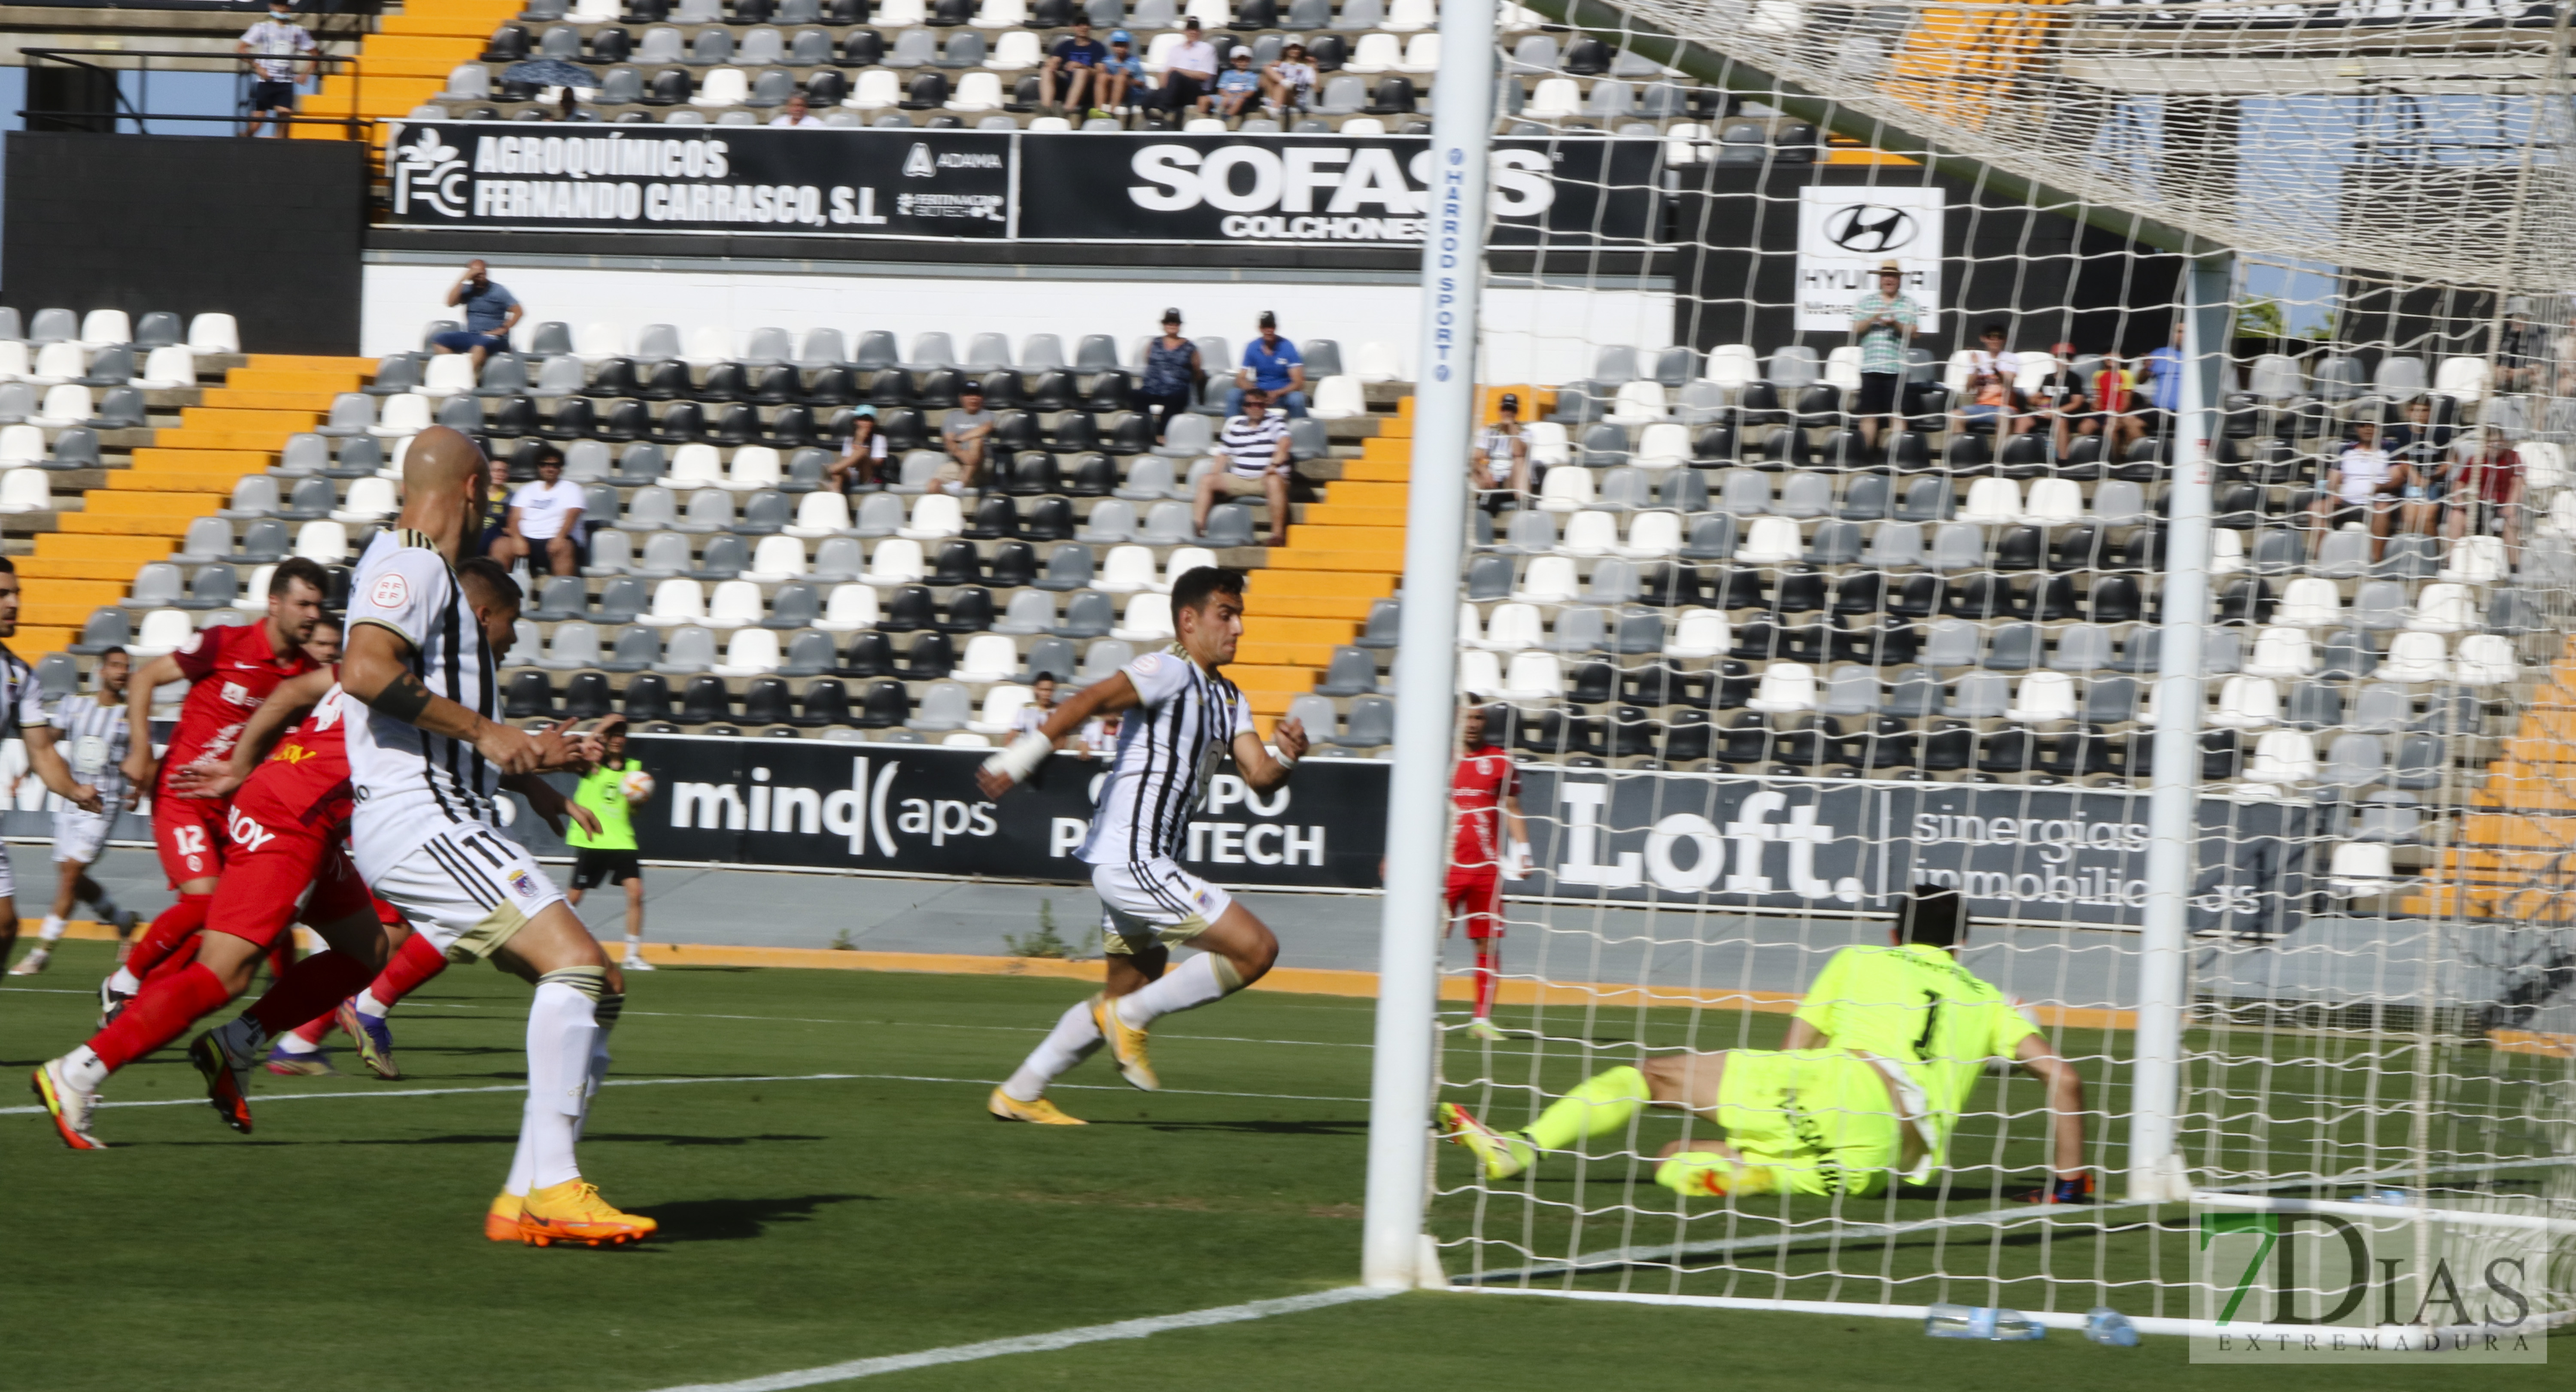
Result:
pixel 1880 1060
pixel 608 856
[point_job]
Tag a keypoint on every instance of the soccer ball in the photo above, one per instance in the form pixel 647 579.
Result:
pixel 637 785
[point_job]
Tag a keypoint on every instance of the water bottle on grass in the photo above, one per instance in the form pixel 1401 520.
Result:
pixel 2108 1327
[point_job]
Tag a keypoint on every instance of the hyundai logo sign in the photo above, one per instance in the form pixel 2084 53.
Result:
pixel 1870 228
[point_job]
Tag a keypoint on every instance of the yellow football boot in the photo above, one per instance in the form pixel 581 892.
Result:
pixel 501 1221
pixel 1502 1156
pixel 1005 1107
pixel 573 1211
pixel 1126 1044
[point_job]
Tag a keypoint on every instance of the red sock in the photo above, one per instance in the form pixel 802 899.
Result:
pixel 310 989
pixel 176 925
pixel 1489 963
pixel 281 956
pixel 416 961
pixel 312 1031
pixel 167 1006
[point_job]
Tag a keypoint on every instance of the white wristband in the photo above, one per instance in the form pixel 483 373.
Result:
pixel 1022 757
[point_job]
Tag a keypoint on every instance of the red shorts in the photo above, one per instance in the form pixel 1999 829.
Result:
pixel 275 857
pixel 1477 890
pixel 189 833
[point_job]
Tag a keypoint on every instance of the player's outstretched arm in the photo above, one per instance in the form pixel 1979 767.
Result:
pixel 1261 773
pixel 48 763
pixel 548 801
pixel 377 671
pixel 2065 1102
pixel 1008 768
pixel 140 764
pixel 286 705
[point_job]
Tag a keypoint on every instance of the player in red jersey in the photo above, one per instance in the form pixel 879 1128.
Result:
pixel 229 671
pixel 287 824
pixel 1485 792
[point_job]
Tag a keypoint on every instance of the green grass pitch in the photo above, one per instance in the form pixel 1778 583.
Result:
pixel 813 1222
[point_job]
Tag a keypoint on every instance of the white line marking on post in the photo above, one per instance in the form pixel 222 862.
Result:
pixel 268 1097
pixel 1041 1343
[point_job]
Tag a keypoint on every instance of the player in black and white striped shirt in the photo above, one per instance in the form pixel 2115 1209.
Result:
pixel 22 713
pixel 427 754
pixel 91 731
pixel 1182 717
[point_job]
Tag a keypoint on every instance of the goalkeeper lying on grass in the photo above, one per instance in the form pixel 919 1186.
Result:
pixel 1879 1063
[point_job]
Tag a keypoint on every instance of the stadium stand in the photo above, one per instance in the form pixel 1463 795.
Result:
pixel 1713 575
pixel 949 65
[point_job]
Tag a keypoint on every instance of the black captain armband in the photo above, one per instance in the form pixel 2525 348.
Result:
pixel 403 698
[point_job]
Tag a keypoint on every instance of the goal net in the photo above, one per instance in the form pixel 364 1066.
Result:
pixel 1788 619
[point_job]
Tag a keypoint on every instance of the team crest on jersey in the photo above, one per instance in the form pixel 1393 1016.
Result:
pixel 523 884
pixel 389 592
pixel 237 694
pixel 291 754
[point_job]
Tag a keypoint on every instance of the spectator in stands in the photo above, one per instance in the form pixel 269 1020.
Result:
pixel 863 455
pixel 277 46
pixel 1253 451
pixel 496 505
pixel 2162 388
pixel 1122 75
pixel 796 116
pixel 964 434
pixel 1503 441
pixel 1188 73
pixel 1173 374
pixel 1990 356
pixel 2061 399
pixel 491 311
pixel 2520 346
pixel 1041 705
pixel 2114 395
pixel 1290 82
pixel 1238 85
pixel 1076 64
pixel 2416 444
pixel 1273 364
pixel 1988 405
pixel 2363 486
pixel 544 518
pixel 1883 322
pixel 2487 497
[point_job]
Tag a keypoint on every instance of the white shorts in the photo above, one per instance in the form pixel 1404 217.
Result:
pixel 468 887
pixel 78 835
pixel 1155 904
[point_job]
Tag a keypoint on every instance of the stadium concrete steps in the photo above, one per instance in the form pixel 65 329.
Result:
pixel 2518 864
pixel 405 61
pixel 182 474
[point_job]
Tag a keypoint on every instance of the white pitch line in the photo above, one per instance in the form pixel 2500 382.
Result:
pixel 267 1097
pixel 1042 1343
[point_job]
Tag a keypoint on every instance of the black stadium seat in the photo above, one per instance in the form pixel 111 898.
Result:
pixel 726 381
pixel 870 654
pixel 668 382
pixel 531 697
pixel 827 702
pixel 886 705
pixel 615 377
pixel 705 702
pixel 925 92
pixel 648 697
pixel 1050 520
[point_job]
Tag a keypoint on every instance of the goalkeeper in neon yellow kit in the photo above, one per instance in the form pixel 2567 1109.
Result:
pixel 1879 1063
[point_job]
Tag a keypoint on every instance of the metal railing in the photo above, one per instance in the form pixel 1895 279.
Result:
pixel 122 109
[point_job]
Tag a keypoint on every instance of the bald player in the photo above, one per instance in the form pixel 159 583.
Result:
pixel 427 751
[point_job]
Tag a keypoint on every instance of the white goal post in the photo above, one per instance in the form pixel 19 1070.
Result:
pixel 2261 781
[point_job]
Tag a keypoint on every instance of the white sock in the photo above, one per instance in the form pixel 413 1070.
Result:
pixel 634 946
pixel 1075 1038
pixel 371 1007
pixel 590 1084
pixel 124 983
pixel 52 930
pixel 562 1028
pixel 1204 978
pixel 516 1186
pixel 297 1044
pixel 83 1069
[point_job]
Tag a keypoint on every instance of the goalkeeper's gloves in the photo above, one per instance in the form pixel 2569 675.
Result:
pixel 1516 861
pixel 2063 1189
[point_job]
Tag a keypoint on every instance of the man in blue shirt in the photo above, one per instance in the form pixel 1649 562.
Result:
pixel 490 313
pixel 1271 363
pixel 2163 387
pixel 1075 64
